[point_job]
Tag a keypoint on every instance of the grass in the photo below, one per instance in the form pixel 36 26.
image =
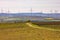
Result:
pixel 12 25
pixel 21 31
pixel 51 26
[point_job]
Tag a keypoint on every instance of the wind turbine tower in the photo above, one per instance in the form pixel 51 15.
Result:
pixel 1 10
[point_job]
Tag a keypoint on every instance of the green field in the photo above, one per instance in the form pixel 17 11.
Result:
pixel 23 24
pixel 22 31
pixel 12 25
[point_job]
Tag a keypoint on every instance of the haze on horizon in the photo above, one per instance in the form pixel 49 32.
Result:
pixel 26 5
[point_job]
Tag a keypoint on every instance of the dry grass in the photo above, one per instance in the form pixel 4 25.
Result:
pixel 12 25
pixel 28 33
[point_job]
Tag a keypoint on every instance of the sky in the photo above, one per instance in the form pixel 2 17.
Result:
pixel 27 5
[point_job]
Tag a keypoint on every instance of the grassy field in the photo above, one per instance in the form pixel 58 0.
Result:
pixel 22 31
pixel 12 25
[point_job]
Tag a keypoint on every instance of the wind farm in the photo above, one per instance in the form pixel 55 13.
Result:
pixel 29 26
pixel 29 19
pixel 32 16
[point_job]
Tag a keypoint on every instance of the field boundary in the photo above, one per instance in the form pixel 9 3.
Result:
pixel 36 26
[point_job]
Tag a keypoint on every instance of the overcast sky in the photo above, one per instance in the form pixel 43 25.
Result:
pixel 26 5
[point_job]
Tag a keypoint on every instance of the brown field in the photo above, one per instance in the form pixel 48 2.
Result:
pixel 48 23
pixel 28 33
pixel 54 25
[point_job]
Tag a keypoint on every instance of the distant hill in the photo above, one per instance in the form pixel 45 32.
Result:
pixel 53 15
pixel 5 17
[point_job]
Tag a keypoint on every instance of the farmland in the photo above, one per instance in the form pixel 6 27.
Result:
pixel 54 25
pixel 22 31
pixel 12 25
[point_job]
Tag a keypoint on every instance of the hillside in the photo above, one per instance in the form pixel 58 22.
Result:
pixel 25 32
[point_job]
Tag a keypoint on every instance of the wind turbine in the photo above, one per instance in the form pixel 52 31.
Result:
pixel 8 11
pixel 31 11
pixel 56 11
pixel 51 11
pixel 1 10
pixel 41 11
